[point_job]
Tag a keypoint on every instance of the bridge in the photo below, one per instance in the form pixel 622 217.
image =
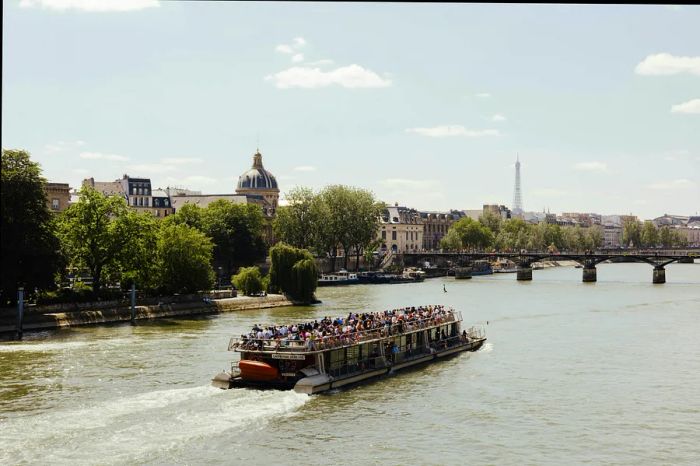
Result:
pixel 657 258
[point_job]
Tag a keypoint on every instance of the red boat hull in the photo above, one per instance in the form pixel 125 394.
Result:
pixel 257 370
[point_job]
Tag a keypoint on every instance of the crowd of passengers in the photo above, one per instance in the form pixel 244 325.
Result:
pixel 331 332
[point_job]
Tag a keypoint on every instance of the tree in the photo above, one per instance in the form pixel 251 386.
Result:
pixel 649 235
pixel 300 283
pixel 30 249
pixel 472 233
pixel 492 221
pixel 631 233
pixel 452 241
pixel 189 214
pixel 248 280
pixel 236 231
pixel 296 223
pixel 338 219
pixel 184 259
pixel 93 233
pixel 365 212
pixel 666 236
pixel 138 261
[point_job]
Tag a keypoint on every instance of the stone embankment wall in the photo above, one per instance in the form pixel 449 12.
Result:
pixel 69 315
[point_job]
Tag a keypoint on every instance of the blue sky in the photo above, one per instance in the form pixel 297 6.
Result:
pixel 424 104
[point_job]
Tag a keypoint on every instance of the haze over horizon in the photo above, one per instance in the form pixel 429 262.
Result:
pixel 426 105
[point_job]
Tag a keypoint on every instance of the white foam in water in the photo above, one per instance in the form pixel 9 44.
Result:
pixel 41 347
pixel 132 429
pixel 486 348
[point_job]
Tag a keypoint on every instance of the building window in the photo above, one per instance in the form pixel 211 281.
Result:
pixel 140 202
pixel 135 202
pixel 146 202
pixel 393 235
pixel 383 234
pixel 54 204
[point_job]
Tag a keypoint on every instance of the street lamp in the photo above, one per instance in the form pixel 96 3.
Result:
pixel 218 286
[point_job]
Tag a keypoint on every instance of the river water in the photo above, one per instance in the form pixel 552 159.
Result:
pixel 572 373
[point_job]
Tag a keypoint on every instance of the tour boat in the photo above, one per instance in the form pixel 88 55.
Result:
pixel 342 277
pixel 410 337
pixel 504 267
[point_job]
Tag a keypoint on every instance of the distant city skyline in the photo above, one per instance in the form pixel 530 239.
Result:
pixel 428 106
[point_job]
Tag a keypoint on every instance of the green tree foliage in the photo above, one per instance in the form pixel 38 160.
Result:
pixel 189 214
pixel 336 217
pixel 236 231
pixel 631 233
pixel 299 284
pixel 649 236
pixel 305 278
pixel 297 223
pixel 452 241
pixel 138 261
pixel 30 249
pixel 473 234
pixel 184 259
pixel 248 280
pixel 104 235
pixel 492 221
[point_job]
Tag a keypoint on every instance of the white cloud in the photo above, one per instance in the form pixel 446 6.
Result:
pixel 591 166
pixel 62 146
pixel 667 64
pixel 102 156
pixel 304 168
pixel 299 57
pixel 681 183
pixel 182 160
pixel 352 76
pixel 453 130
pixel 297 43
pixel 691 106
pixel 483 95
pixel 498 117
pixel 284 48
pixel 90 5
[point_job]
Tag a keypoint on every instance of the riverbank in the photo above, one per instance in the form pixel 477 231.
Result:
pixel 35 319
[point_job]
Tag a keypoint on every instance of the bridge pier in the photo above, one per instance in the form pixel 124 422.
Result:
pixel 524 273
pixel 590 274
pixel 659 275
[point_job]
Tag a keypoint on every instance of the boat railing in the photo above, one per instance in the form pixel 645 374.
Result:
pixel 338 341
pixel 476 332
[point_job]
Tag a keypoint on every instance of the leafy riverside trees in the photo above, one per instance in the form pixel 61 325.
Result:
pixel 336 217
pixel 235 230
pixel 117 244
pixel 30 249
pixel 293 272
pixel 491 232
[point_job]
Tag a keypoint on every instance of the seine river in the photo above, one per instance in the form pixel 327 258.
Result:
pixel 572 373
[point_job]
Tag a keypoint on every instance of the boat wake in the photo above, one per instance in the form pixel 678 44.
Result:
pixel 41 347
pixel 486 348
pixel 142 427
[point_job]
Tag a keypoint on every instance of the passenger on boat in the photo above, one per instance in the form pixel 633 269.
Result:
pixel 333 332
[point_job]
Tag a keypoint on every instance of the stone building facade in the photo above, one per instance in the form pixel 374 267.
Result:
pixel 401 230
pixel 436 225
pixel 57 196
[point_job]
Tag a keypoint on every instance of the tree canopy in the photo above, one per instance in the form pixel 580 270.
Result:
pixel 184 259
pixel 30 249
pixel 293 272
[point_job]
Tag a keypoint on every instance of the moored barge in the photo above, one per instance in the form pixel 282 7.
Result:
pixel 364 346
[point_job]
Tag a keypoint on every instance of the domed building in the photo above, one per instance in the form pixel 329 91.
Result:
pixel 260 183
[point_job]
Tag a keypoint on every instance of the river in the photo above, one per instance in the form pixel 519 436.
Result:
pixel 572 373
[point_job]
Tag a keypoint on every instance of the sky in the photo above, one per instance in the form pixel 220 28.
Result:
pixel 427 105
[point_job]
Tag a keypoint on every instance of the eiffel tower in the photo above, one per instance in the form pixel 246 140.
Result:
pixel 517 194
